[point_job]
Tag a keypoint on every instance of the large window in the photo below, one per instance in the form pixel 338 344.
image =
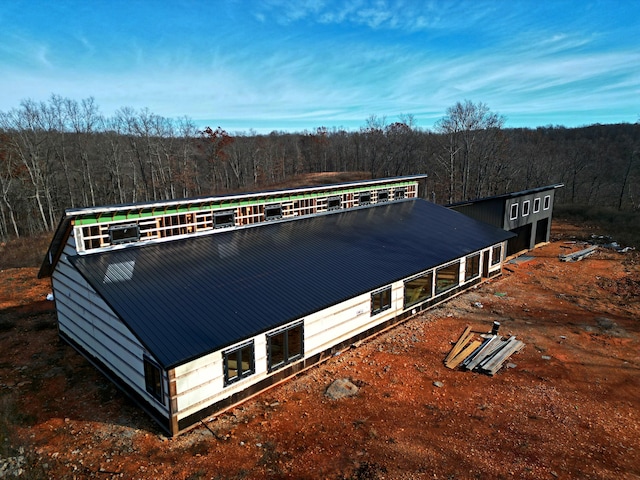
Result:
pixel 380 300
pixel 124 234
pixel 472 267
pixel 383 196
pixel 285 346
pixel 400 193
pixel 447 277
pixel 496 254
pixel 334 203
pixel 239 362
pixel 153 379
pixel 418 289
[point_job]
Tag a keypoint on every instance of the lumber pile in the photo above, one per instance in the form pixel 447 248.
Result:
pixel 579 255
pixel 482 352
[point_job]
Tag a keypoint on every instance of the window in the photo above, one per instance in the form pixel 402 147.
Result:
pixel 447 277
pixel 536 205
pixel 418 289
pixel 273 212
pixel 238 363
pixel 364 198
pixel 472 267
pixel 547 202
pixel 400 193
pixel 514 211
pixel 224 219
pixel 380 301
pixel 152 379
pixel 334 203
pixel 285 346
pixel 525 208
pixel 496 255
pixel 383 196
pixel 124 234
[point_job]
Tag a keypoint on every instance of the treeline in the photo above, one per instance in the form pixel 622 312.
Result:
pixel 64 153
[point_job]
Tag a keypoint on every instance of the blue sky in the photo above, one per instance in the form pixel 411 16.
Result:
pixel 295 65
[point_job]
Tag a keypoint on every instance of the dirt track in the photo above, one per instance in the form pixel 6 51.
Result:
pixel 568 408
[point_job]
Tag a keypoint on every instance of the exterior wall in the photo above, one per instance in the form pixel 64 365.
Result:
pixel 198 386
pixel 88 324
pixel 528 236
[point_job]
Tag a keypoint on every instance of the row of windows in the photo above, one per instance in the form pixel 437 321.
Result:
pixel 286 345
pixel 283 347
pixel 526 207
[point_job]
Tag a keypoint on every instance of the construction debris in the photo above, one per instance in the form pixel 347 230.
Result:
pixel 482 352
pixel 579 255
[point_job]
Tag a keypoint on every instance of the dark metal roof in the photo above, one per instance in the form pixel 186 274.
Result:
pixel 186 298
pixel 507 195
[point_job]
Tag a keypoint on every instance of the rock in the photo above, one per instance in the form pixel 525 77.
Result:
pixel 341 388
pixel 438 384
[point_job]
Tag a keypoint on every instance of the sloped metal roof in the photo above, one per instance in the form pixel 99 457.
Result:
pixel 186 298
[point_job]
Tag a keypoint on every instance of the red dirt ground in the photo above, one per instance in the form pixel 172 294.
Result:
pixel 569 406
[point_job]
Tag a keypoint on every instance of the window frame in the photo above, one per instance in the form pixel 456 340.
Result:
pixel 331 203
pixel 513 211
pixel 116 229
pixel 526 208
pixel 237 351
pixel 536 205
pixel 269 216
pixel 547 202
pixel 385 196
pixel 367 200
pixel 476 273
pixel 439 291
pixel 287 358
pixel 222 214
pixel 378 298
pixel 153 381
pixel 419 299
pixel 400 193
pixel 496 259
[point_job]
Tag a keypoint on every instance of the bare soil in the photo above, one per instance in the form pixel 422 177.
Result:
pixel 567 407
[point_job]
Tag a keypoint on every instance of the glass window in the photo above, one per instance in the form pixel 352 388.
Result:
pixel 514 211
pixel 547 202
pixel 153 379
pixel 525 208
pixel 536 205
pixel 124 234
pixel 273 212
pixel 418 289
pixel 285 346
pixel 380 301
pixel 447 277
pixel 364 198
pixel 400 193
pixel 334 203
pixel 472 267
pixel 238 363
pixel 383 196
pixel 224 219
pixel 496 255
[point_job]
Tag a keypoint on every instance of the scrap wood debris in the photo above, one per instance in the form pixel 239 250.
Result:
pixel 579 255
pixel 482 352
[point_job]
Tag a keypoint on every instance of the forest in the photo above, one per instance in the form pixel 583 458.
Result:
pixel 63 153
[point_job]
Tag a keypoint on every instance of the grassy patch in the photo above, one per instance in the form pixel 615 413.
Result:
pixel 24 252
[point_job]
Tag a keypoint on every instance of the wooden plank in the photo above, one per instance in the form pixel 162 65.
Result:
pixel 579 255
pixel 486 350
pixel 459 344
pixel 454 362
pixel 497 360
